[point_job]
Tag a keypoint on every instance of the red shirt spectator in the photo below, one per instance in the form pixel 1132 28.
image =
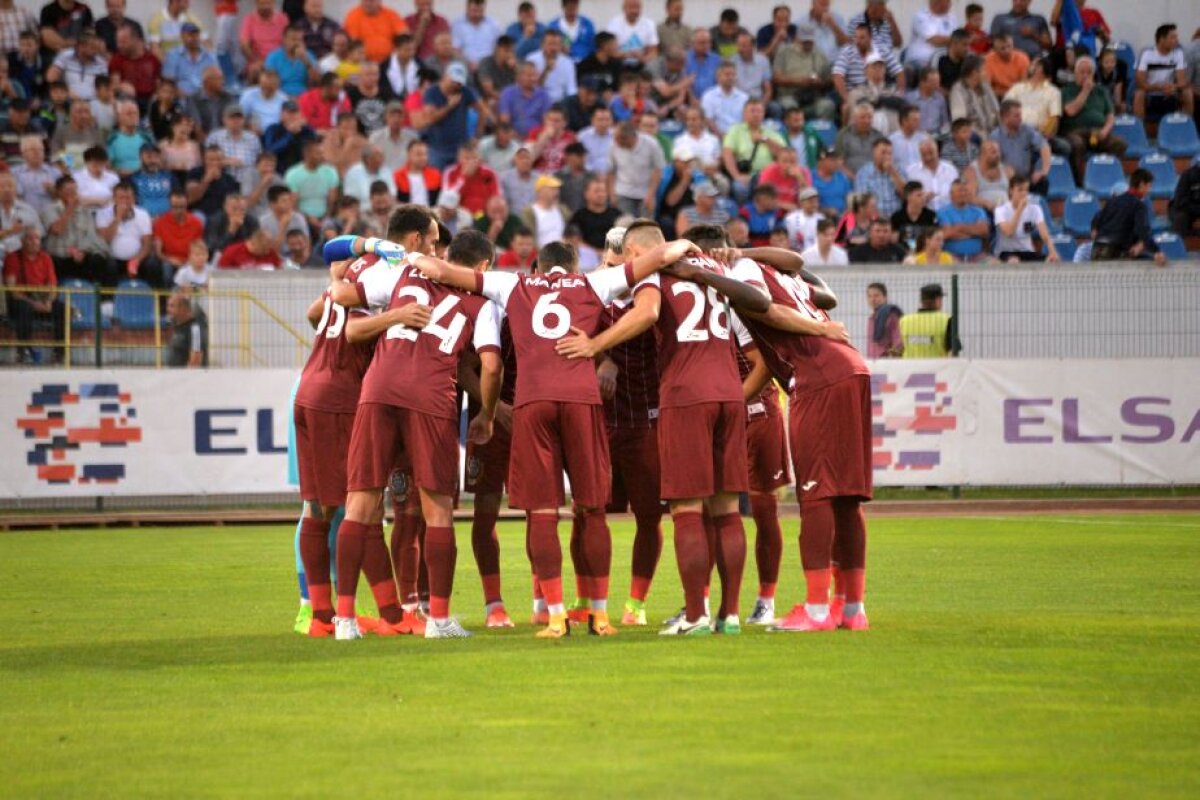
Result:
pixel 262 30
pixel 252 253
pixel 141 72
pixel 320 104
pixel 510 260
pixel 788 180
pixel 424 25
pixel 23 270
pixel 549 141
pixel 175 234
pixel 475 189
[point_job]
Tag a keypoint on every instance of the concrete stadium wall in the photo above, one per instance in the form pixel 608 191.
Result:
pixel 1134 22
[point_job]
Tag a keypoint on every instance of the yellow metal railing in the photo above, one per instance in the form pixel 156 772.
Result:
pixel 109 327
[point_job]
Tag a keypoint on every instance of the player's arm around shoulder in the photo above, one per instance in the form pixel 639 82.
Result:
pixel 742 296
pixel 647 302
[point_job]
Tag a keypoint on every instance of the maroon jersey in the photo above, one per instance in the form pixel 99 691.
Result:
pixel 695 353
pixel 541 309
pixel 635 402
pixel 802 363
pixel 766 403
pixel 418 369
pixel 334 371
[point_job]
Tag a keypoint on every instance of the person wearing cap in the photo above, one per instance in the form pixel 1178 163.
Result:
pixel 79 66
pixel 449 212
pixel 152 183
pixel 293 63
pixel 849 69
pixel 885 99
pixel 446 104
pixel 802 75
pixel 125 143
pixel 286 138
pixel 185 64
pixel 239 146
pixel 679 179
pixel 20 124
pixel 578 32
pixel 35 178
pixel 546 216
pixel 394 137
pixel 166 27
pixel 930 332
pixel 704 209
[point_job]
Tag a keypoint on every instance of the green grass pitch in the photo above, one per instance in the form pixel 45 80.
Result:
pixel 1010 657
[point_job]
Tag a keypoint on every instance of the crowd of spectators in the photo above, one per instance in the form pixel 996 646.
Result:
pixel 129 147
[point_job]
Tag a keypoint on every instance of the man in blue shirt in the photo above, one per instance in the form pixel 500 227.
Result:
pixel 526 31
pixel 448 102
pixel 294 65
pixel 152 183
pixel 964 226
pixel 475 33
pixel 185 65
pixel 831 183
pixel 702 62
pixel 524 103
pixel 579 34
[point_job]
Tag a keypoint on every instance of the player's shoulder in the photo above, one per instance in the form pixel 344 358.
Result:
pixel 361 265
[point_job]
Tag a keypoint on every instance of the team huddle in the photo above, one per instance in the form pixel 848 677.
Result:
pixel 650 382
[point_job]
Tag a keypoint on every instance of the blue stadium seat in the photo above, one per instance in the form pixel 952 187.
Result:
pixel 1102 175
pixel 1062 182
pixel 1158 223
pixel 82 304
pixel 1163 169
pixel 1131 129
pixel 134 311
pixel 1177 136
pixel 1054 225
pixel 1064 243
pixel 1126 55
pixel 1077 216
pixel 825 130
pixel 1171 245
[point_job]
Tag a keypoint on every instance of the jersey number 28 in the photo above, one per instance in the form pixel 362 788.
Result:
pixel 694 327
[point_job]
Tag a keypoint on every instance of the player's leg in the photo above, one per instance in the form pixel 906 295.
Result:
pixel 314 552
pixel 640 461
pixel 487 469
pixel 535 484
pixel 577 612
pixel 405 548
pixel 731 478
pixel 360 546
pixel 588 465
pixel 304 616
pixel 766 451
pixel 541 614
pixel 851 534
pixel 817 530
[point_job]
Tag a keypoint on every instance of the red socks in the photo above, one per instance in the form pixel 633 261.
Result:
pixel 851 545
pixel 817 527
pixel 768 541
pixel 314 553
pixel 361 546
pixel 579 559
pixel 406 554
pixel 731 559
pixel 597 550
pixel 546 553
pixel 692 554
pixel 441 554
pixel 351 542
pixel 647 547
pixel 486 547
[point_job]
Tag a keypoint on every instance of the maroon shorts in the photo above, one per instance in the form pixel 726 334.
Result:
pixel 766 452
pixel 386 436
pixel 702 450
pixel 635 473
pixel 487 464
pixel 548 437
pixel 830 432
pixel 322 441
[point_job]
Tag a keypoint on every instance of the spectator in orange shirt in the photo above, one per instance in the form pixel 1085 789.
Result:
pixel 375 26
pixel 1005 65
pixel 175 231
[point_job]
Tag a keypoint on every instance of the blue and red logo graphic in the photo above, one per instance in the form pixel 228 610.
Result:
pixel 908 421
pixel 72 433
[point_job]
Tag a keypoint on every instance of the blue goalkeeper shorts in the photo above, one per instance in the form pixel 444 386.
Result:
pixel 293 465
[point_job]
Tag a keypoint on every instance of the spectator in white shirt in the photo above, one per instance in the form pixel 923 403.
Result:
pixel 555 68
pixel 723 103
pixel 906 142
pixel 637 36
pixel 931 29
pixel 935 175
pixel 598 139
pixel 95 180
pixel 80 66
pixel 358 179
pixel 824 253
pixel 475 34
pixel 801 224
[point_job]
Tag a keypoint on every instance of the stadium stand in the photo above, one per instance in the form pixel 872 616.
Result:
pixel 1103 175
pixel 1080 209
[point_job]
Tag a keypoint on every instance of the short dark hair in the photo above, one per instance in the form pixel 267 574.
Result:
pixel 908 111
pixel 883 221
pixel 1163 31
pixel 971 65
pixel 826 225
pixel 876 285
pixel 1008 105
pixel 401 39
pixel 95 153
pixel 959 124
pixel 1140 177
pixel 912 186
pixel 729 15
pixel 445 236
pixel 558 254
pixel 1018 180
pixel 1001 36
pixel 379 187
pixel 521 230
pixel 470 247
pixel 959 35
pixel 525 6
pixel 276 192
pixel 407 219
pixel 707 237
pixel 506 41
pixel 127 186
pixel 765 189
pixel 603 38
pixel 973 8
